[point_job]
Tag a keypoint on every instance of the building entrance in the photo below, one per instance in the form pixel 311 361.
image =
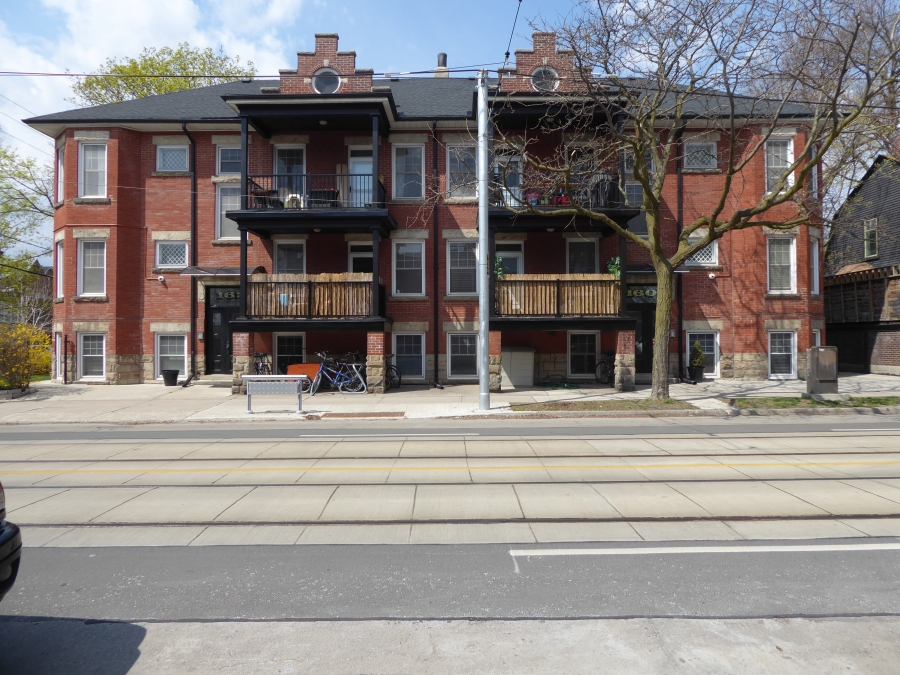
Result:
pixel 222 305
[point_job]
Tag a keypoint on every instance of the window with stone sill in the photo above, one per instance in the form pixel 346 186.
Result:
pixel 172 158
pixel 173 254
pixel 708 255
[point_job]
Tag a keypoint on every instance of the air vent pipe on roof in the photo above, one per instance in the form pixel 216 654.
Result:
pixel 442 70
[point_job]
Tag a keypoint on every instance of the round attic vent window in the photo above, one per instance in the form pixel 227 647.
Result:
pixel 326 82
pixel 544 79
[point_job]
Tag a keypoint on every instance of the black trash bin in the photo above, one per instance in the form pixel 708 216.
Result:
pixel 170 377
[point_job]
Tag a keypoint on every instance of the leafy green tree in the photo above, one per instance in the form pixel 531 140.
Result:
pixel 146 74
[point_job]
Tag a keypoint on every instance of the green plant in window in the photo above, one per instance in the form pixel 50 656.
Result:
pixel 614 266
pixel 498 267
pixel 697 357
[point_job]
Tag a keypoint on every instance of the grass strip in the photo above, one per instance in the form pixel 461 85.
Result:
pixel 782 402
pixel 613 405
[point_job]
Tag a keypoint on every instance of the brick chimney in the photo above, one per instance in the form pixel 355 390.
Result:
pixel 326 57
pixel 543 53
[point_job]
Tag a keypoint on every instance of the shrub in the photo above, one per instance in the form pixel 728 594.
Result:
pixel 697 357
pixel 24 351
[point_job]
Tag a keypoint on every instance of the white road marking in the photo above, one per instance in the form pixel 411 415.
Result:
pixel 806 548
pixel 867 429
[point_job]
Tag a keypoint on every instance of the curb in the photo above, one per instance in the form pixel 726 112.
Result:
pixel 11 394
pixel 734 412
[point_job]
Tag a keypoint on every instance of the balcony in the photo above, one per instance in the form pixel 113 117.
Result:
pixel 558 301
pixel 324 302
pixel 599 191
pixel 313 191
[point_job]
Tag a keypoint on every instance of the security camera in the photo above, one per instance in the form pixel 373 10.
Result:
pixel 161 278
pixel 712 276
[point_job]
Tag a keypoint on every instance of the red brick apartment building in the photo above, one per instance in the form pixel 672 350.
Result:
pixel 289 217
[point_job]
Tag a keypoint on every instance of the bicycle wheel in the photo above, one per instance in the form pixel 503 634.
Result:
pixel 602 372
pixel 355 384
pixel 391 377
pixel 315 384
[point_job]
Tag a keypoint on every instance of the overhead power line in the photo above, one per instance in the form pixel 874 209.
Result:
pixel 18 104
pixel 511 33
pixel 22 269
pixel 49 154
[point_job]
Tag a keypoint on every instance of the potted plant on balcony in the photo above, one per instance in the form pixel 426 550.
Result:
pixel 697 363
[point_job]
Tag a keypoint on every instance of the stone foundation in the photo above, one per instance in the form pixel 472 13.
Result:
pixel 546 365
pixel 123 368
pixel 624 372
pixel 240 365
pixel 375 374
pixel 745 366
pixel 494 372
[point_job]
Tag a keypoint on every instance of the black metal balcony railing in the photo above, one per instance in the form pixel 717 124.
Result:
pixel 314 191
pixel 298 296
pixel 598 191
pixel 557 295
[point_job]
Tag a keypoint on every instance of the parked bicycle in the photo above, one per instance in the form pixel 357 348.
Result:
pixel 345 376
pixel 263 363
pixel 604 369
pixel 391 373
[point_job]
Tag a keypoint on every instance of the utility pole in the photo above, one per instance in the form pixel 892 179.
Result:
pixel 484 375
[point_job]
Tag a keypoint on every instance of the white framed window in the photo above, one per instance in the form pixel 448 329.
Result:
pixel 870 237
pixel 511 255
pixel 461 171
pixel 462 268
pixel 326 81
pixel 816 337
pixel 634 194
pixel 172 254
pixel 582 357
pixel 171 353
pixel 290 159
pixel 91 267
pixel 782 355
pixel 359 165
pixel 782 264
pixel 462 355
pixel 58 347
pixel 172 158
pixel 779 155
pixel 507 176
pixel 228 198
pixel 92 170
pixel 409 268
pixel 60 251
pixel 409 355
pixel 815 274
pixel 91 356
pixel 409 172
pixel 700 155
pixel 544 79
pixel 228 160
pixel 708 255
pixel 290 348
pixel 649 162
pixel 290 257
pixel 582 256
pixel 359 258
pixel 709 343
pixel 61 174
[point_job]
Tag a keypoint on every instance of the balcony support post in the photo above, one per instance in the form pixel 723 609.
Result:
pixel 245 162
pixel 376 239
pixel 623 275
pixel 243 279
pixel 376 190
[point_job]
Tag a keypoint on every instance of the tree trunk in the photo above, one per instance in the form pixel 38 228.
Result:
pixel 664 283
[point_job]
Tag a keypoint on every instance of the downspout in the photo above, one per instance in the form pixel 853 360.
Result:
pixel 436 250
pixel 193 168
pixel 679 224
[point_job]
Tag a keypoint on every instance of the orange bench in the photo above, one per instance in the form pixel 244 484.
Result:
pixel 308 369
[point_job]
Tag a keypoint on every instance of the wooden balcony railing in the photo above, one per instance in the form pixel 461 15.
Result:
pixel 558 295
pixel 311 296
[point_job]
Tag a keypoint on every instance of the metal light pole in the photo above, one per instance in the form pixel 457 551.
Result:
pixel 484 376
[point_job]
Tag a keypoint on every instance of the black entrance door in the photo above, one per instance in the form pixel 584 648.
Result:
pixel 642 305
pixel 222 305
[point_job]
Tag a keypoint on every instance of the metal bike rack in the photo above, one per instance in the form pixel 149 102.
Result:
pixel 274 384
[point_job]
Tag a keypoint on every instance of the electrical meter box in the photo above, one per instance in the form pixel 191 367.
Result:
pixel 822 370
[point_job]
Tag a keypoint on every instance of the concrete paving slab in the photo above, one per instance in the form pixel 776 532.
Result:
pixel 499 447
pixel 565 447
pixel 352 471
pixel 34 537
pixel 547 533
pixel 794 529
pixel 370 502
pixel 185 472
pixel 765 467
pixel 299 449
pixel 637 500
pixel 684 468
pixel 365 449
pixel 690 446
pixel 23 474
pixel 466 502
pixel 625 446
pixel 249 535
pixel 437 470
pixel 840 498
pixel 100 473
pixel 160 450
pixel 270 504
pixel 876 465
pixel 876 527
pixel 175 505
pixel 125 536
pixel 563 501
pixel 751 445
pixel 883 488
pixel 590 469
pixel 702 530
pixel 749 499
pixel 355 534
pixel 23 451
pixel 80 505
pixel 267 472
pixel 507 470
pixel 471 533
pixel 16 498
pixel 90 451
pixel 435 448
pixel 239 450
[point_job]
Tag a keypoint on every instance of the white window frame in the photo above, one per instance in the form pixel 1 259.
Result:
pixel 288 242
pixel 450 375
pixel 59 269
pixel 187 253
pixel 326 71
pixel 184 337
pixel 815 273
pixel 81 147
pixel 219 214
pixel 396 243
pixel 477 284
pixel 816 337
pixel 775 138
pixel 709 144
pixel 219 149
pixel 690 344
pixel 61 173
pixel 187 158
pixel 394 169
pixel 406 376
pixel 502 158
pixel 597 352
pixel 80 289
pixel 352 255
pixel 596 252
pixel 450 195
pixel 793 373
pixel 520 255
pixel 58 354
pixel 713 249
pixel 288 146
pixel 80 364
pixel 793 288
pixel 275 337
pixel 870 224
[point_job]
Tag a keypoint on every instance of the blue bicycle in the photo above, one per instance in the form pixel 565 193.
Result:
pixel 345 376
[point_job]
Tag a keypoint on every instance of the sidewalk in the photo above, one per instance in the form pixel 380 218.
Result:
pixel 211 401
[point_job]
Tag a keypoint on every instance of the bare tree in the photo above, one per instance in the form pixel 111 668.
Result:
pixel 652 71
